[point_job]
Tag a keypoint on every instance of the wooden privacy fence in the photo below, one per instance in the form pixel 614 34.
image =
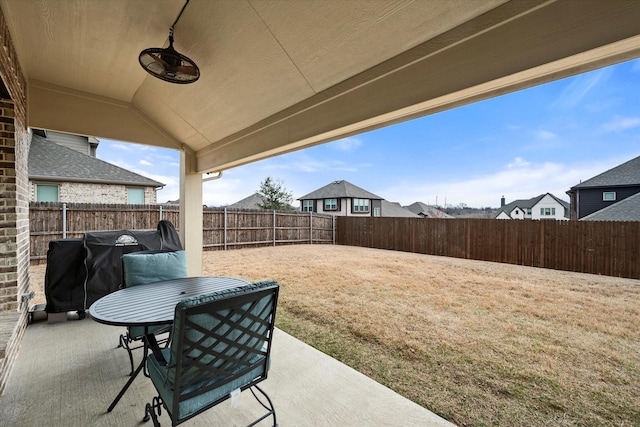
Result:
pixel 222 228
pixel 607 248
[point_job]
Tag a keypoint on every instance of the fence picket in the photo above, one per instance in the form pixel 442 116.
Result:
pixel 607 248
pixel 222 228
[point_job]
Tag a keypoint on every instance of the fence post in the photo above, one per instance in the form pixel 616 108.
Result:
pixel 160 215
pixel 333 226
pixel 64 220
pixel 310 228
pixel 542 243
pixel 225 229
pixel 274 227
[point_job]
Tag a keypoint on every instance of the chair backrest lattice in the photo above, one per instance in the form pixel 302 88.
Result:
pixel 221 342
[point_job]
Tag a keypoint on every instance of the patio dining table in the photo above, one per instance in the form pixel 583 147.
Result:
pixel 153 304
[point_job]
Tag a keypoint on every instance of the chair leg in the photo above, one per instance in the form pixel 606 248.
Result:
pixel 124 343
pixel 268 406
pixel 153 410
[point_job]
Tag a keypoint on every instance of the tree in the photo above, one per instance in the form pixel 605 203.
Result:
pixel 274 195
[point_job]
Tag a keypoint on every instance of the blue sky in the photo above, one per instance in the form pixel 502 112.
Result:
pixel 543 139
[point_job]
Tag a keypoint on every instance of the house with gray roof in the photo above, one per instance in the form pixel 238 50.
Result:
pixel 625 210
pixel 606 189
pixel 251 202
pixel 544 206
pixel 427 211
pixel 345 199
pixel 63 169
pixel 394 209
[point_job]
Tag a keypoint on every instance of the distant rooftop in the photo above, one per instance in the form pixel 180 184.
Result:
pixel 627 173
pixel 53 162
pixel 340 189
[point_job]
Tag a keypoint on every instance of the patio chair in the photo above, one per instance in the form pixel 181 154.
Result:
pixel 147 267
pixel 221 346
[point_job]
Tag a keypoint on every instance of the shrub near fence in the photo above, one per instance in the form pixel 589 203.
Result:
pixel 223 228
pixel 606 248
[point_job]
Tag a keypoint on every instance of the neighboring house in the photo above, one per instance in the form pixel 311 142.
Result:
pixel 544 206
pixel 604 190
pixel 345 199
pixel 252 202
pixel 625 210
pixel 394 209
pixel 426 211
pixel 63 168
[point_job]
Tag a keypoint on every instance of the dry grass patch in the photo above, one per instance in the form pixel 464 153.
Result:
pixel 478 343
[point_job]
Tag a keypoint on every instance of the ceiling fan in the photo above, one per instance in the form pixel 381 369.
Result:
pixel 168 64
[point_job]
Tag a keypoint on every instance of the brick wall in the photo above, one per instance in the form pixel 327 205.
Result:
pixel 73 192
pixel 14 205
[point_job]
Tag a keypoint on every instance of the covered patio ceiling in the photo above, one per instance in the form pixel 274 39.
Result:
pixel 287 74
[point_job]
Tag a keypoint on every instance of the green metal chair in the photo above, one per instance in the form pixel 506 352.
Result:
pixel 147 267
pixel 221 343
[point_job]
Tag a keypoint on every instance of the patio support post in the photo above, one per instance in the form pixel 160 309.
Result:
pixel 191 215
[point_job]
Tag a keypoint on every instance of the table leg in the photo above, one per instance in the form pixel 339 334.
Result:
pixel 132 377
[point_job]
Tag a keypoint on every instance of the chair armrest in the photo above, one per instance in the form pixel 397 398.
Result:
pixel 155 348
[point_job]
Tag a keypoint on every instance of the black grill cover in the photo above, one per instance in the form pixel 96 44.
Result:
pixel 80 271
pixel 104 250
pixel 65 275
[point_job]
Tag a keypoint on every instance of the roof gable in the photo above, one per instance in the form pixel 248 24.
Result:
pixel 627 173
pixel 251 202
pixel 529 204
pixel 54 162
pixel 338 190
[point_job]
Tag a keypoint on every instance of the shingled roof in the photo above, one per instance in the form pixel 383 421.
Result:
pixel 394 209
pixel 427 211
pixel 53 162
pixel 624 210
pixel 627 173
pixel 340 189
pixel 530 203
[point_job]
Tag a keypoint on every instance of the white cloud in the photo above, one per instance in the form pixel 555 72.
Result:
pixel 145 163
pixel 545 134
pixel 518 162
pixel 519 179
pixel 621 124
pixel 346 144
pixel 579 88
pixel 120 146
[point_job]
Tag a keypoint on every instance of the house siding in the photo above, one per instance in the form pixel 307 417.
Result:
pixel 345 207
pixel 75 142
pixel 589 200
pixel 73 192
pixel 548 202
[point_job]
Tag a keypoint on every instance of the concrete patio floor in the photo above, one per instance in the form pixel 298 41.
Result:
pixel 67 373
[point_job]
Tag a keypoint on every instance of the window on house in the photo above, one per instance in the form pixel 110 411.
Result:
pixel 376 212
pixel 135 196
pixel 330 204
pixel 360 205
pixel 529 211
pixel 307 206
pixel 609 196
pixel 46 193
pixel 547 211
